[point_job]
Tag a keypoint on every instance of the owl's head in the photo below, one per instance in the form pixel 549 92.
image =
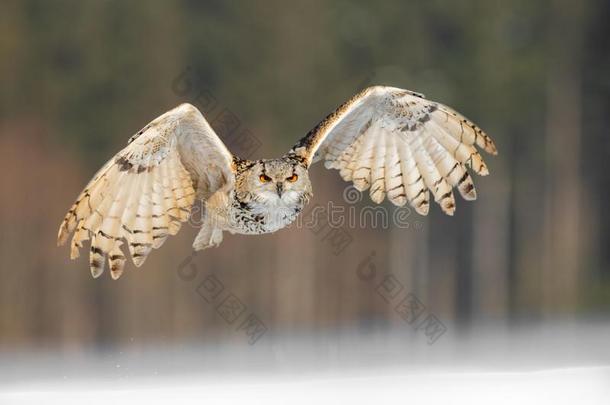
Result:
pixel 281 182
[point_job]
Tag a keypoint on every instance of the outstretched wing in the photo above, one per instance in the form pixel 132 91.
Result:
pixel 399 145
pixel 146 191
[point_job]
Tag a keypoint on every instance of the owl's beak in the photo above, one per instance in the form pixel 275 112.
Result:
pixel 280 188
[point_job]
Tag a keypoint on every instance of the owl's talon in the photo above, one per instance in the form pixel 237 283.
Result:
pixel 207 238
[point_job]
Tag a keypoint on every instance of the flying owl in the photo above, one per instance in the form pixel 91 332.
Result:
pixel 391 141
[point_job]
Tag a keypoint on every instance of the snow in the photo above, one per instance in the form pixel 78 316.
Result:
pixel 560 363
pixel 562 386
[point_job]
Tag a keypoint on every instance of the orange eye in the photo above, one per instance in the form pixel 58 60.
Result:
pixel 292 178
pixel 264 178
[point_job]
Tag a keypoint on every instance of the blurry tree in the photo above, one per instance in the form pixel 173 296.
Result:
pixel 78 78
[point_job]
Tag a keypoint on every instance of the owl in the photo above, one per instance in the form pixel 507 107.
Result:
pixel 390 141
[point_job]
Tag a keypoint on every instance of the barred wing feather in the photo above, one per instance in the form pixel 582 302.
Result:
pixel 401 146
pixel 145 192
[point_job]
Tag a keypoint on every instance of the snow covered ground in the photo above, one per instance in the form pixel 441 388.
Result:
pixel 564 363
pixel 563 386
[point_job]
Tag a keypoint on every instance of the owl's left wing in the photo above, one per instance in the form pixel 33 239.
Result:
pixel 399 145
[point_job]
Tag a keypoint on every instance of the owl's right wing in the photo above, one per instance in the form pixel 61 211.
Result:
pixel 146 191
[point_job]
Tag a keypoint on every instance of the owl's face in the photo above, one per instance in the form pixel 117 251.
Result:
pixel 275 182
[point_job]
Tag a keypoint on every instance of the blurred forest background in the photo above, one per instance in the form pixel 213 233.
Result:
pixel 78 78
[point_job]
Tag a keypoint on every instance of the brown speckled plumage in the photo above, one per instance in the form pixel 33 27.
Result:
pixel 391 141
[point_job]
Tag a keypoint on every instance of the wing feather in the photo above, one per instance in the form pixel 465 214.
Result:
pixel 395 188
pixel 416 191
pixel 377 191
pixel 364 161
pixel 146 191
pixel 401 146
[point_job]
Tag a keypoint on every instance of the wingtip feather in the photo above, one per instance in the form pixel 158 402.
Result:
pixel 62 235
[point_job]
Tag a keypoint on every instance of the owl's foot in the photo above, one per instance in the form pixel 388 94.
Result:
pixel 207 237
